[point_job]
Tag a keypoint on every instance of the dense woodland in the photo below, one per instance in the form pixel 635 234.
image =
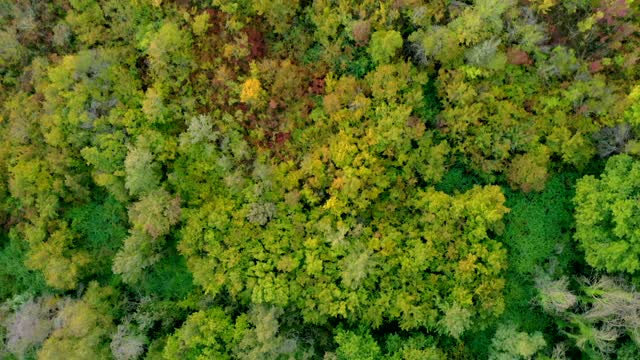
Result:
pixel 329 179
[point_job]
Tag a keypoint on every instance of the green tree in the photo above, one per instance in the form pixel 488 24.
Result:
pixel 607 215
pixel 383 45
pixel 205 334
pixel 138 252
pixel 142 172
pixel 279 13
pixel 352 346
pixel 15 277
pixel 170 55
pixel 151 218
pixel 61 263
pixel 87 21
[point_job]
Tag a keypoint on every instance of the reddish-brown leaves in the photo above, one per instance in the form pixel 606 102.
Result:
pixel 518 57
pixel 596 66
pixel 217 20
pixel 361 32
pixel 613 9
pixel 257 45
pixel 281 137
pixel 317 86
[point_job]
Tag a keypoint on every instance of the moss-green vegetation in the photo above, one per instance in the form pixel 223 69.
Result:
pixel 285 179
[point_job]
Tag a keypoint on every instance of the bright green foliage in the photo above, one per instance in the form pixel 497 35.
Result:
pixel 32 185
pixel 256 335
pixel 416 252
pixel 537 237
pixel 414 347
pixel 606 216
pixel 335 179
pixel 384 45
pixel 61 264
pixel 255 239
pixel 628 351
pixel 87 20
pixel 352 346
pixel 519 309
pixel 170 56
pixel 458 179
pixel 107 159
pixel 360 344
pixel 205 335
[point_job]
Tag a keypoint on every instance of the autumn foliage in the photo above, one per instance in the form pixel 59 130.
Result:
pixel 285 179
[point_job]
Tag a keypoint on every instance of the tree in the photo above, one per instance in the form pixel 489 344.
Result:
pixel 352 346
pixel 155 213
pixel 170 55
pixel 11 51
pixel 607 214
pixel 84 326
pixel 142 172
pixel 264 337
pixel 126 344
pixel 87 21
pixel 205 334
pixel 383 45
pixel 509 343
pixel 608 309
pixel 555 297
pixel 138 252
pixel 30 325
pixel 360 344
pixel 15 276
pixel 151 218
pixel 538 231
pixel 319 232
pixel 279 13
pixel 455 320
pixel 251 91
pixel 61 264
pixel 286 179
pixel 529 171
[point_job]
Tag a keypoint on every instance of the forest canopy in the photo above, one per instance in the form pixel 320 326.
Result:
pixel 328 179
